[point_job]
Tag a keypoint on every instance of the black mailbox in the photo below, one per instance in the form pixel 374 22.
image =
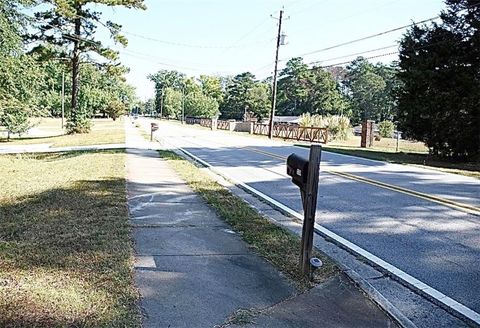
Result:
pixel 297 168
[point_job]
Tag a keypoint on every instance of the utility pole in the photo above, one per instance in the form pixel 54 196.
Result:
pixel 183 104
pixel 274 91
pixel 161 104
pixel 63 97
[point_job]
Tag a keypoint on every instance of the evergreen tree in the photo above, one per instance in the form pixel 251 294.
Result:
pixel 236 102
pixel 439 100
pixel 71 24
pixel 164 79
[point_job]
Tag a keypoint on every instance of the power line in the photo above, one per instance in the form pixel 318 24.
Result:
pixel 148 59
pixel 136 53
pixel 368 37
pixel 341 19
pixel 371 57
pixel 381 33
pixel 353 54
pixel 125 52
pixel 381 55
pixel 306 8
pixel 256 27
pixel 187 45
pixel 172 43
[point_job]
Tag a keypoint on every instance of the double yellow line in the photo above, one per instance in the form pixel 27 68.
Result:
pixel 439 200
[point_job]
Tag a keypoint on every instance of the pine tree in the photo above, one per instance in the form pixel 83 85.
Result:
pixel 71 24
pixel 439 101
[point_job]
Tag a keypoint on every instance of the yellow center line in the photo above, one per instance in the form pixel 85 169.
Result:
pixel 439 200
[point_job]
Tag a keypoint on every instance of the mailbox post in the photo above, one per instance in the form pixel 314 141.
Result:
pixel 305 175
pixel 153 128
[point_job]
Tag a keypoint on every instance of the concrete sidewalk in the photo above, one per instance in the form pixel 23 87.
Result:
pixel 193 271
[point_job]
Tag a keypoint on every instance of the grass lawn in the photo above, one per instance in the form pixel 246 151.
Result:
pixel 471 169
pixel 384 145
pixel 66 256
pixel 278 246
pixel 104 131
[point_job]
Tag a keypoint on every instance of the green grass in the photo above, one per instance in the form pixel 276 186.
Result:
pixel 66 256
pixel 104 131
pixel 278 246
pixel 383 145
pixel 425 160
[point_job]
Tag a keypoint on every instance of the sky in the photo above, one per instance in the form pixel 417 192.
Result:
pixel 228 37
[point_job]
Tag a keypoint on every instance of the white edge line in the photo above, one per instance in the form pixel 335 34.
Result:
pixel 413 283
pixel 415 166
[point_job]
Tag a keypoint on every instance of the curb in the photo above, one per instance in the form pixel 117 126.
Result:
pixel 361 283
pixel 377 298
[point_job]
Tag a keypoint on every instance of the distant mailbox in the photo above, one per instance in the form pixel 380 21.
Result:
pixel 297 168
pixel 154 126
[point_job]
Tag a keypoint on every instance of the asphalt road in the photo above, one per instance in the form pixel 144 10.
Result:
pixel 433 242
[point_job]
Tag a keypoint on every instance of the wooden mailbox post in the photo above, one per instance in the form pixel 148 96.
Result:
pixel 305 175
pixel 153 128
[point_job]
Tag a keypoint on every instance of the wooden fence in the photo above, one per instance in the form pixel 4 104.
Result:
pixel 223 125
pixel 290 131
pixel 280 130
pixel 206 122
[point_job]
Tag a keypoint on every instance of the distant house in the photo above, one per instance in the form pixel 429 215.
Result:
pixel 357 131
pixel 285 119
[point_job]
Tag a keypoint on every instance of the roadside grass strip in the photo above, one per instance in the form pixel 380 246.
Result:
pixel 471 169
pixel 276 245
pixel 66 257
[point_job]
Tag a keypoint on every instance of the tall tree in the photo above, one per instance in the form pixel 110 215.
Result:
pixel 72 24
pixel 172 103
pixel 21 78
pixel 236 104
pixel 245 94
pixel 439 101
pixel 20 92
pixel 164 79
pixel 365 89
pixel 200 105
pixel 12 25
pixel 388 98
pixel 306 90
pixel 324 96
pixel 212 87
pixel 293 90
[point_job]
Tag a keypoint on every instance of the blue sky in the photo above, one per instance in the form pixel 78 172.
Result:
pixel 227 37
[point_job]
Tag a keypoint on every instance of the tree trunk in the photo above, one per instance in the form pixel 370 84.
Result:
pixel 76 64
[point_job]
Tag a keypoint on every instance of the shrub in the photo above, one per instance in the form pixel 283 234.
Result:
pixel 79 123
pixel 386 129
pixel 343 128
pixel 116 109
pixel 15 121
pixel 338 126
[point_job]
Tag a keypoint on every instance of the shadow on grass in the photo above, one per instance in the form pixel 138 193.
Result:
pixel 52 157
pixel 65 258
pixel 39 138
